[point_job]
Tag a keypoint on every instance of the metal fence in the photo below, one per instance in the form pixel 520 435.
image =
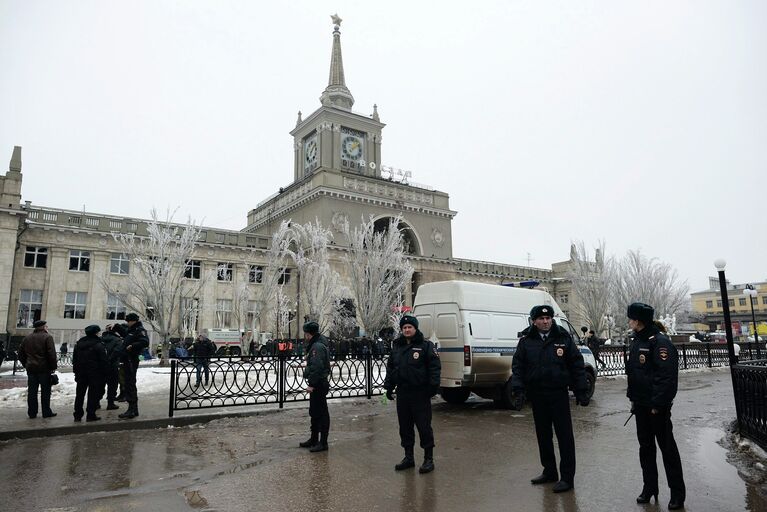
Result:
pixel 751 399
pixel 62 360
pixel 250 380
pixel 691 355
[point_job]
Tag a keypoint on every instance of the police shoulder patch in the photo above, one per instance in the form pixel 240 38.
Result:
pixel 663 353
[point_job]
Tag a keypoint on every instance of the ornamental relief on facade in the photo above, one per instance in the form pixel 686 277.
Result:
pixel 383 190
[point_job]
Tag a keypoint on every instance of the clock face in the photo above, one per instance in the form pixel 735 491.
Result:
pixel 351 147
pixel 310 153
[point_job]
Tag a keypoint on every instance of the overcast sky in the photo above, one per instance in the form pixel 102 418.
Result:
pixel 640 123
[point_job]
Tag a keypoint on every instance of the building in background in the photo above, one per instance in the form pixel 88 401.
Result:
pixel 707 306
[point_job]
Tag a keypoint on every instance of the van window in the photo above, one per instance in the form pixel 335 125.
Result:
pixel 424 324
pixel 480 326
pixel 507 327
pixel 447 326
pixel 569 328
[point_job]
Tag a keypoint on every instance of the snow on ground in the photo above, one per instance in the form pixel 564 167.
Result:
pixel 150 380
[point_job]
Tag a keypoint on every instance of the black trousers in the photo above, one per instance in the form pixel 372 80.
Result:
pixel 94 387
pixel 130 368
pixel 42 381
pixel 652 428
pixel 113 378
pixel 552 408
pixel 318 411
pixel 414 409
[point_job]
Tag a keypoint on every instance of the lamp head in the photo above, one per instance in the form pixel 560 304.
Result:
pixel 720 264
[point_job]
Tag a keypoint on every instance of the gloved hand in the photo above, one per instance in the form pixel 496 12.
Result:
pixel 632 408
pixel 518 400
pixel 390 394
pixel 582 400
pixel 434 390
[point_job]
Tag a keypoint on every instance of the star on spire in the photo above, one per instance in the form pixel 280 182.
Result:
pixel 336 19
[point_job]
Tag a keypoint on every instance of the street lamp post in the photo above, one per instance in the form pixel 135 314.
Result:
pixel 751 293
pixel 720 264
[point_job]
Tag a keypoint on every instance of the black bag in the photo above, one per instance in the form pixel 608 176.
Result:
pixel 54 379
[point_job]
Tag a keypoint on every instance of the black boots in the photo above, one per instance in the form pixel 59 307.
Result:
pixel 676 503
pixel 322 445
pixel 562 486
pixel 111 406
pixel 92 418
pixel 428 461
pixel 131 413
pixel 645 496
pixel 309 442
pixel 543 479
pixel 408 462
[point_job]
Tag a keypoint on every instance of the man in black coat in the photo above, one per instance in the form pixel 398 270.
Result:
pixel 135 342
pixel 113 343
pixel 546 363
pixel 413 371
pixel 653 372
pixel 38 355
pixel 316 374
pixel 202 350
pixel 90 366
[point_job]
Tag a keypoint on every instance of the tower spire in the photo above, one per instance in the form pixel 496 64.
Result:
pixel 336 94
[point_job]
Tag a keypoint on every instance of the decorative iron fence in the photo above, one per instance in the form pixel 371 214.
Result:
pixel 751 399
pixel 62 360
pixel 691 355
pixel 251 380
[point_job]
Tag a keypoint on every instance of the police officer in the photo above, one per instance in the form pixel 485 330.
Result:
pixel 316 374
pixel 413 371
pixel 113 342
pixel 134 343
pixel 653 371
pixel 89 363
pixel 545 364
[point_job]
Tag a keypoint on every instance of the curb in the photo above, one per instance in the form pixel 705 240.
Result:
pixel 86 428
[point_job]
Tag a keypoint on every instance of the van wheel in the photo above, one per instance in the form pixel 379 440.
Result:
pixel 455 396
pixel 591 381
pixel 235 351
pixel 263 351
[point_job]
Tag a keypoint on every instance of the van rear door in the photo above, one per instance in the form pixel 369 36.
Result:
pixel 441 324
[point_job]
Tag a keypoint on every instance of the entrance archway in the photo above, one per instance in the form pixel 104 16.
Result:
pixel 409 237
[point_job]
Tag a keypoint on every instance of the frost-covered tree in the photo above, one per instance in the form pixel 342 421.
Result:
pixel 282 308
pixel 155 284
pixel 267 280
pixel 379 271
pixel 590 280
pixel 240 303
pixel 638 278
pixel 320 284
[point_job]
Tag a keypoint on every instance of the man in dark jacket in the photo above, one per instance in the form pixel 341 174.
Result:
pixel 546 363
pixel 90 365
pixel 38 355
pixel 413 371
pixel 592 341
pixel 135 342
pixel 113 343
pixel 202 350
pixel 653 370
pixel 316 374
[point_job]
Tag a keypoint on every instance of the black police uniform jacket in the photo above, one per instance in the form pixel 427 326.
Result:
pixel 114 347
pixel 89 359
pixel 553 365
pixel 136 340
pixel 413 365
pixel 203 350
pixel 653 369
pixel 317 368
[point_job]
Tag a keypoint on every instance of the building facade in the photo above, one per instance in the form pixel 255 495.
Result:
pixel 708 306
pixel 55 263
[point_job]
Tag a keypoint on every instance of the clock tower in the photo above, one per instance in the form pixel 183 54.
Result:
pixel 335 137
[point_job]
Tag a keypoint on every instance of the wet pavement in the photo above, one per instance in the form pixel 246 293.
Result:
pixel 484 457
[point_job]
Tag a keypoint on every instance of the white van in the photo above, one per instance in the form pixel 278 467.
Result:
pixel 476 328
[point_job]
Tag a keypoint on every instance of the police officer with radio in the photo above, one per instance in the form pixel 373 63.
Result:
pixel 413 371
pixel 316 374
pixel 653 371
pixel 546 363
pixel 134 343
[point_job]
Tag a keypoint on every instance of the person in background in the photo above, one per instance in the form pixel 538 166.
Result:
pixel 136 341
pixel 316 374
pixel 37 354
pixel 90 366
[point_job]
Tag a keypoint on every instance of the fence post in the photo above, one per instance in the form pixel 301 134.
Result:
pixel 281 379
pixel 708 349
pixel 684 355
pixel 369 376
pixel 172 398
